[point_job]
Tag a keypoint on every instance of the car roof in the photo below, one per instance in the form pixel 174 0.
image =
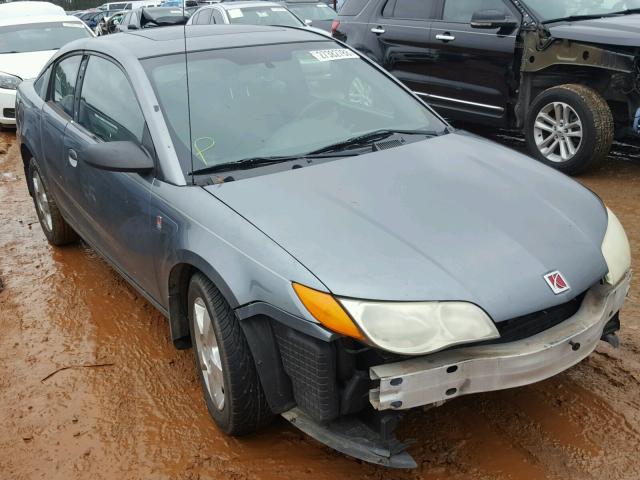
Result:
pixel 39 19
pixel 29 9
pixel 170 40
pixel 241 4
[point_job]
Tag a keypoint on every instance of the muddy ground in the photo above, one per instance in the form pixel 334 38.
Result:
pixel 92 388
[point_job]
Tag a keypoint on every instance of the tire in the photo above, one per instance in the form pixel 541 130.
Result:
pixel 590 133
pixel 54 226
pixel 242 409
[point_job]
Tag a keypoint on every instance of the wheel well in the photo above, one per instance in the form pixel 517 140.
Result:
pixel 179 279
pixel 605 82
pixel 26 155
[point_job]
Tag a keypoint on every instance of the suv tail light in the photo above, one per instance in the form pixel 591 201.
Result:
pixel 334 25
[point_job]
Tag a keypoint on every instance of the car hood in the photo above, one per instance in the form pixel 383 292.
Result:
pixel 24 65
pixel 450 218
pixel 622 30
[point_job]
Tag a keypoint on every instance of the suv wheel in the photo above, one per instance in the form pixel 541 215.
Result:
pixel 570 128
pixel 55 228
pixel 225 366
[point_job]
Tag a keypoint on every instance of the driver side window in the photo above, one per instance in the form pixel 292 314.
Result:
pixel 106 96
pixel 460 11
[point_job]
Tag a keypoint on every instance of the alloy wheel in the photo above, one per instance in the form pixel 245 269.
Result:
pixel 558 132
pixel 208 353
pixel 42 202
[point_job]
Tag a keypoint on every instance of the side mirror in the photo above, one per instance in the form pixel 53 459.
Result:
pixel 308 22
pixel 118 157
pixel 132 27
pixel 492 19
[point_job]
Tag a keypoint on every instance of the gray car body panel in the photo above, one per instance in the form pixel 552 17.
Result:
pixel 452 217
pixel 449 218
pixel 623 30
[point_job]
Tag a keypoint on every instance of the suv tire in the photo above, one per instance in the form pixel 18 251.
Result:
pixel 54 226
pixel 224 363
pixel 570 128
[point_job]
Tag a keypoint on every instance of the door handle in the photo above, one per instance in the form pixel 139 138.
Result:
pixel 377 30
pixel 73 157
pixel 445 37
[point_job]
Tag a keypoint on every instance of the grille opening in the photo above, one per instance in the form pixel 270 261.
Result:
pixel 534 323
pixel 9 112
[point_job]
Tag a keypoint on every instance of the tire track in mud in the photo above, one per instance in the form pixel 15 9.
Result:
pixel 144 417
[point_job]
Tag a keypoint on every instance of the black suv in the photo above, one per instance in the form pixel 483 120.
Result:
pixel 566 72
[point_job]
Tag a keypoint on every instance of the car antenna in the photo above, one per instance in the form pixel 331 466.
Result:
pixel 186 68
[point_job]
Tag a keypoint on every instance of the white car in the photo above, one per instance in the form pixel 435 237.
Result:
pixel 26 43
pixel 29 9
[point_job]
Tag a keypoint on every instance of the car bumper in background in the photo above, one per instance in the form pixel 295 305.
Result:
pixel 441 376
pixel 7 107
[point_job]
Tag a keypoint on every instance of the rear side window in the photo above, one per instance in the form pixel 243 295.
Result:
pixel 412 9
pixel 64 83
pixel 108 107
pixel 460 11
pixel 351 8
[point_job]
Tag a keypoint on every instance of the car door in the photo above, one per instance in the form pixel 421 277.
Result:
pixel 57 112
pixel 113 207
pixel 399 33
pixel 471 73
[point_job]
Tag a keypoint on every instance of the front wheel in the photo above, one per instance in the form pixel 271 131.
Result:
pixel 54 226
pixel 570 128
pixel 225 366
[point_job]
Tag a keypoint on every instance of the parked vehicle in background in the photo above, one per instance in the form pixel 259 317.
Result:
pixel 564 72
pixel 246 13
pixel 181 4
pixel 92 17
pixel 151 17
pixel 26 43
pixel 313 12
pixel 29 9
pixel 332 250
pixel 109 23
pixel 117 6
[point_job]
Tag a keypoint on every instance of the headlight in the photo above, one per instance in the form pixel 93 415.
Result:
pixel 10 82
pixel 615 249
pixel 410 328
pixel 420 327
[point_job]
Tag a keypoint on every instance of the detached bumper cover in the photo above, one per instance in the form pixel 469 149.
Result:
pixel 441 376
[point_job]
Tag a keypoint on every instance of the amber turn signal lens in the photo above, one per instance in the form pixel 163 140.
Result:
pixel 327 311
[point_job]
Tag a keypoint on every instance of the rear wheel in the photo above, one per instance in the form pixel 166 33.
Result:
pixel 570 128
pixel 224 362
pixel 54 226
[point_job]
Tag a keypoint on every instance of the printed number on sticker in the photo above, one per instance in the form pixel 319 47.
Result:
pixel 333 54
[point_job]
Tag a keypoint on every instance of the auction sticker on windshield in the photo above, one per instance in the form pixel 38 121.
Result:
pixel 333 54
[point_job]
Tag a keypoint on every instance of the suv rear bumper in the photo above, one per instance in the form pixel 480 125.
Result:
pixel 441 376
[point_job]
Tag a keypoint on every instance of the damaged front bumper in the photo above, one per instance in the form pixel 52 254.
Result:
pixel 435 378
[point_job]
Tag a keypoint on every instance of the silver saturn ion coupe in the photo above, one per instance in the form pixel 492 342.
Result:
pixel 329 247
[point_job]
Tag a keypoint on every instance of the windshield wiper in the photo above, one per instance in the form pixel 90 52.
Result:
pixel 573 18
pixel 628 11
pixel 367 138
pixel 247 163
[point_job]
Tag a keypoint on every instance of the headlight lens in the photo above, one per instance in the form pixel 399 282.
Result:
pixel 615 249
pixel 9 82
pixel 420 327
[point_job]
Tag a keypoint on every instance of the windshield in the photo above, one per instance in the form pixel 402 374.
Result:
pixel 272 100
pixel 548 10
pixel 33 37
pixel 313 11
pixel 263 16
